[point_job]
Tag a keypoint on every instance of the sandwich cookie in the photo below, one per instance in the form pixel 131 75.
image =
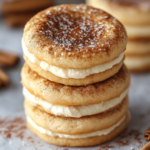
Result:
pixel 74 131
pixel 74 44
pixel 69 101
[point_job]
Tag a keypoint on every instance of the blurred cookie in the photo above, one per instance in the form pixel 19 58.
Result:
pixel 18 19
pixel 135 15
pixel 138 63
pixel 138 47
pixel 18 6
pixel 131 12
pixel 18 12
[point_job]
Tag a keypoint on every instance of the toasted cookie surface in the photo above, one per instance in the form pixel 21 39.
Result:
pixel 60 94
pixel 74 36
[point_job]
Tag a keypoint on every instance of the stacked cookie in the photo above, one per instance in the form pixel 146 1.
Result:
pixel 74 81
pixel 135 15
pixel 18 12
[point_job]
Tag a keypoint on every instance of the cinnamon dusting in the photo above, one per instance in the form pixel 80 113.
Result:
pixel 15 127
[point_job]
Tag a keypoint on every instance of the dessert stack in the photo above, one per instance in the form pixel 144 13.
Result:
pixel 18 12
pixel 135 16
pixel 74 81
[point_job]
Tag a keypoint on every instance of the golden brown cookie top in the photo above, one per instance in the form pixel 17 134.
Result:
pixel 75 36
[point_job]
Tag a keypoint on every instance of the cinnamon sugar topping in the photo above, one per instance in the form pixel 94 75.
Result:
pixel 78 28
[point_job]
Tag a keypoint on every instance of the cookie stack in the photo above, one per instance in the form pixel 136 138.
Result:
pixel 74 81
pixel 18 12
pixel 135 15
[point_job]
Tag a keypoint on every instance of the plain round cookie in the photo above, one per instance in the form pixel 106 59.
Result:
pixel 93 78
pixel 56 93
pixel 129 12
pixel 74 36
pixel 138 47
pixel 82 141
pixel 138 63
pixel 75 126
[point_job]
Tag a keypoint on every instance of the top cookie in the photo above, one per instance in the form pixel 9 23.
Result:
pixel 74 36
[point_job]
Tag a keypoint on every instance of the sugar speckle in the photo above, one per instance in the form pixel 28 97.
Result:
pixel 78 29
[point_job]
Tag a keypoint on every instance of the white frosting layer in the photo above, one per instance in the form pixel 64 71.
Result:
pixel 74 111
pixel 139 31
pixel 71 73
pixel 86 135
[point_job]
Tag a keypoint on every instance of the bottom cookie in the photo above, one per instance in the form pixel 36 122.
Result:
pixel 63 141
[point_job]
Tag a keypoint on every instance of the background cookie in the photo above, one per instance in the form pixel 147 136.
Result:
pixel 137 26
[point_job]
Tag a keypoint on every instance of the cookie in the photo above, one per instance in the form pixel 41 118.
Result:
pixel 18 19
pixel 138 63
pixel 82 141
pixel 138 11
pixel 67 130
pixel 74 81
pixel 137 26
pixel 67 95
pixel 16 6
pixel 138 47
pixel 17 13
pixel 77 101
pixel 81 44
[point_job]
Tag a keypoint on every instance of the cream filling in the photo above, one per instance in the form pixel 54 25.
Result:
pixel 141 31
pixel 71 73
pixel 74 111
pixel 86 135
